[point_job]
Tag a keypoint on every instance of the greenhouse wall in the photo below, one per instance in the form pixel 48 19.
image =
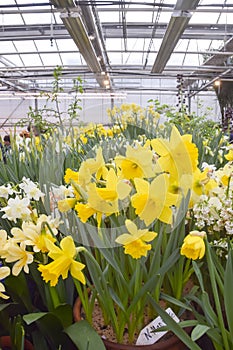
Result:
pixel 94 109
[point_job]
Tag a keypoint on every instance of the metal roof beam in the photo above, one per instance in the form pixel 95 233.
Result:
pixel 176 26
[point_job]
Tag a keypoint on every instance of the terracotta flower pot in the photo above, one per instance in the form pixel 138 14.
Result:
pixel 171 343
pixel 6 344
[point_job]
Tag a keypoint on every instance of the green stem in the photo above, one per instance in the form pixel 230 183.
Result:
pixel 54 296
pixel 216 296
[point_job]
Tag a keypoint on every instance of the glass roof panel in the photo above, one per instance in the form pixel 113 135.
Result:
pixel 45 45
pixel 164 17
pixel 10 19
pixel 193 60
pixel 66 45
pixel 32 5
pixel 109 16
pixel 124 46
pixel 199 17
pixel 176 59
pixel 51 59
pixel 25 46
pixel 71 58
pixel 7 46
pixel 33 18
pixel 15 60
pixel 31 60
pixel 139 16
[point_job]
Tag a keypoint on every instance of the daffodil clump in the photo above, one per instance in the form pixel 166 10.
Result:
pixel 32 238
pixel 123 204
pixel 131 115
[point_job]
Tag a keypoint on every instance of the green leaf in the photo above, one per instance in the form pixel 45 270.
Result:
pixel 33 317
pixel 228 283
pixel 175 301
pixel 84 336
pixel 49 325
pixel 199 331
pixel 19 334
pixel 65 314
pixel 172 325
pixel 198 274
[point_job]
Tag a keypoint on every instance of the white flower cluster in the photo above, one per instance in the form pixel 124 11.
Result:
pixel 215 214
pixel 18 206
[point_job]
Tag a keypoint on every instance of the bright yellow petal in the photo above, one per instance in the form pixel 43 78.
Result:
pixel 142 186
pixel 160 146
pixel 75 271
pixel 66 204
pixel 84 211
pixel 131 227
pixel 124 239
pixel 166 215
pixel 123 190
pixel 68 246
pixel 149 236
pixel 137 249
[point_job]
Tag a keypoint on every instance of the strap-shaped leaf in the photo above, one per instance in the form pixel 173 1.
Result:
pixel 84 336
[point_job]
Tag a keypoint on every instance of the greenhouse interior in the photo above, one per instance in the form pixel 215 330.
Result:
pixel 116 174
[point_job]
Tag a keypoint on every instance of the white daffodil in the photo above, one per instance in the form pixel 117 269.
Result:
pixel 6 191
pixel 31 189
pixel 17 209
pixel 4 272
pixel 62 192
pixel 32 235
pixel 3 239
pixel 18 254
pixel 52 223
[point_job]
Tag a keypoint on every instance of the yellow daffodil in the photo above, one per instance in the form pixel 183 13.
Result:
pixel 225 174
pixel 194 246
pixel 89 167
pixel 137 163
pixel 202 184
pixel 71 175
pixel 134 242
pixel 84 211
pixel 105 199
pixel 178 156
pixel 64 262
pixel 66 204
pixel 153 201
pixel 229 155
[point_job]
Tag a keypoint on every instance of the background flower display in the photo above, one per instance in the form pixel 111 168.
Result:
pixel 110 215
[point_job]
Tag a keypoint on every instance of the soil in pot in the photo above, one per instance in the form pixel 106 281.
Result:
pixel 168 342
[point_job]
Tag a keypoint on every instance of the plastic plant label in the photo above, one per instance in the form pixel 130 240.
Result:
pixel 148 335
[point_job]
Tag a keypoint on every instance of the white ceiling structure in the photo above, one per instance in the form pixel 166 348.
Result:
pixel 115 45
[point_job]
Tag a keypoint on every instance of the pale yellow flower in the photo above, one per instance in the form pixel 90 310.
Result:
pixel 178 156
pixel 105 199
pixel 4 272
pixel 66 204
pixel 18 254
pixel 137 163
pixel 89 167
pixel 153 201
